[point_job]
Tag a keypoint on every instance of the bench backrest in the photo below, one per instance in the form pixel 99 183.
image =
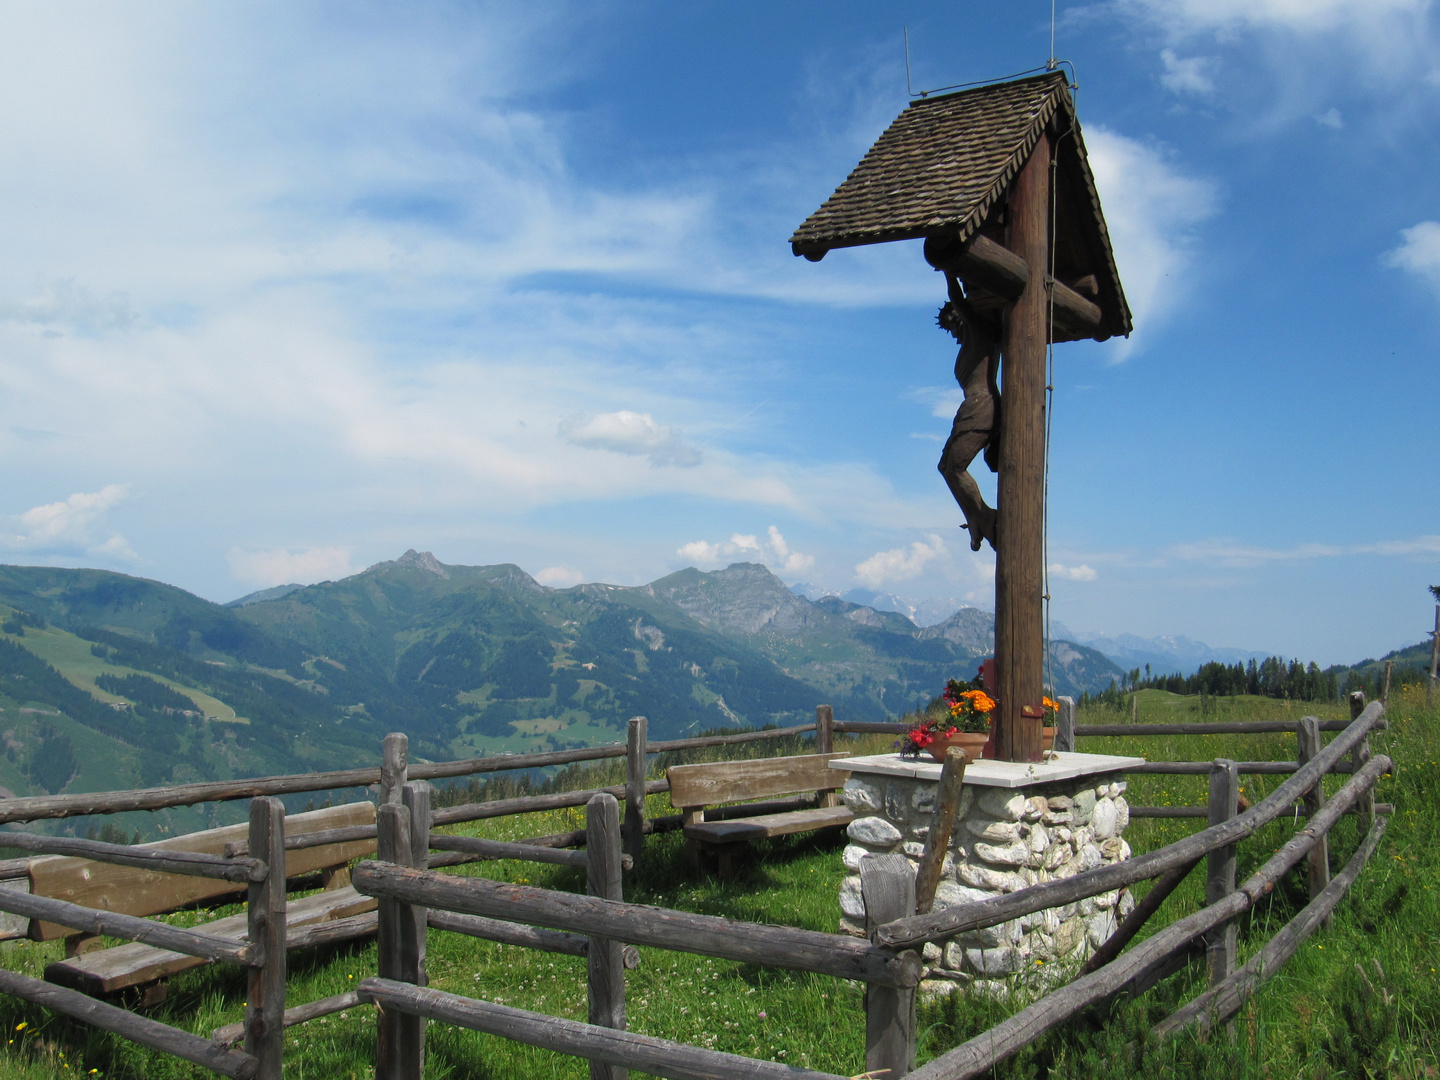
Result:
pixel 131 890
pixel 715 783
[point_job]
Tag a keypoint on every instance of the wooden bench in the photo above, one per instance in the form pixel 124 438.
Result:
pixel 693 788
pixel 135 891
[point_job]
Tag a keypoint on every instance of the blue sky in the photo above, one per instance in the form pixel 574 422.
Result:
pixel 286 289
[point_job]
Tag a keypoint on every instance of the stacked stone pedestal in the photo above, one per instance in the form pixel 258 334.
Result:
pixel 1004 839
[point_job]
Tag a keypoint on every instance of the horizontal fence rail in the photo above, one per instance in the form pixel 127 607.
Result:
pixel 195 864
pixel 709 935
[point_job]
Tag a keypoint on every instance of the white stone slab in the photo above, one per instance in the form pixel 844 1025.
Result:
pixel 987 773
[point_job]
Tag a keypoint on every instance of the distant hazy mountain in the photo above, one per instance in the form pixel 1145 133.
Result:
pixel 920 612
pixel 1166 655
pixel 111 681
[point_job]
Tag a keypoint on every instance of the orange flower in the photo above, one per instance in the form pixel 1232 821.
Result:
pixel 1048 703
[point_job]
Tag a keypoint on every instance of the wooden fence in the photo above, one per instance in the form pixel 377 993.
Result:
pixel 414 899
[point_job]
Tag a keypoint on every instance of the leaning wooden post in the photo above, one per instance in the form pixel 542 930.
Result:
pixel 265 910
pixel 1385 686
pixel 394 765
pixel 1220 878
pixel 1307 737
pixel 605 957
pixel 1359 756
pixel 415 797
pixel 636 735
pixel 942 821
pixel 393 846
pixel 887 885
pixel 1020 498
pixel 1065 725
pixel 1434 660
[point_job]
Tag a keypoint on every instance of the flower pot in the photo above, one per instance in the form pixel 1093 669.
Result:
pixel 972 742
pixel 1047 740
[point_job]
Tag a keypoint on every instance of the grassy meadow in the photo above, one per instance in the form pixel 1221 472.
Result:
pixel 1361 999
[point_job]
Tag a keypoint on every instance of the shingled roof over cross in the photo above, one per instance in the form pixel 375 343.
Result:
pixel 943 167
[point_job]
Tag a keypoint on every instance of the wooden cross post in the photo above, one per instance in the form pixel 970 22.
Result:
pixel 1020 529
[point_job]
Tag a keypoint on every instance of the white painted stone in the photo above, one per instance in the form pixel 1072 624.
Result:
pixel 1100 928
pixel 1117 788
pixel 1070 934
pixel 1087 907
pixel 1115 849
pixel 1107 899
pixel 948 894
pixel 852 855
pixel 1035 808
pixel 1084 804
pixel 1060 834
pixel 1002 803
pixel 1038 840
pixel 1060 802
pixel 913 848
pixel 931 953
pixel 922 798
pixel 1005 960
pixel 1055 817
pixel 996 832
pixel 1126 904
pixel 861 797
pixel 1016 854
pixel 874 831
pixel 991 937
pixel 1122 813
pixel 1082 836
pixel 933 990
pixel 852 902
pixel 1031 878
pixel 982 877
pixel 1090 857
pixel 896 793
pixel 1102 819
pixel 1056 856
pixel 1068 869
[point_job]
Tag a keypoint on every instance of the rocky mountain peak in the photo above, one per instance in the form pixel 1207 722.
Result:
pixel 743 598
pixel 423 560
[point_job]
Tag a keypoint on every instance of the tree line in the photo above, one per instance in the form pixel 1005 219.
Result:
pixel 1272 677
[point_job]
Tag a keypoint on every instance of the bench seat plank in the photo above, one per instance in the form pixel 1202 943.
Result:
pixel 754 828
pixel 711 783
pixel 133 964
pixel 135 891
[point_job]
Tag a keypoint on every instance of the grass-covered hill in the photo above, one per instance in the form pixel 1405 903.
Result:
pixel 97 668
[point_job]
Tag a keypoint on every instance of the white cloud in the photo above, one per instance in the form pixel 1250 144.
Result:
pixel 1300 16
pixel 1152 210
pixel 1331 118
pixel 898 564
pixel 626 432
pixel 559 577
pixel 1188 75
pixel 1073 573
pixel 280 566
pixel 791 562
pixel 775 551
pixel 1420 252
pixel 70 527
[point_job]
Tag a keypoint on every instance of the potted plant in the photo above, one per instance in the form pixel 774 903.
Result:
pixel 965 723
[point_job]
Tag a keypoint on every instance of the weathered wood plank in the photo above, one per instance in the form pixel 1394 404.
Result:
pixel 1240 727
pixel 141 891
pixel 265 911
pixel 658 1057
pixel 937 839
pixel 311 1010
pixel 394 766
pixel 709 935
pixel 737 830
pixel 531 804
pixel 108 970
pixel 173 861
pixel 1308 744
pixel 196 942
pixel 979 914
pixel 1220 943
pixel 709 783
pixel 508 933
pixel 140 1029
pixel 414 926
pixel 888 885
pixel 1224 1001
pixel 605 961
pixel 393 821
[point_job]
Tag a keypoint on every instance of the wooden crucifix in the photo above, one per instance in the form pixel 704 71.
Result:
pixel 996 182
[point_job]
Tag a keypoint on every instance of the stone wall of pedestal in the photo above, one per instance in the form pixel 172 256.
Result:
pixel 1004 839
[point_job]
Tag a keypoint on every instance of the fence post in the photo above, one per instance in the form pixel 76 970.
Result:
pixel 1385 686
pixel 1307 738
pixel 415 797
pixel 393 845
pixel 265 910
pixel 1065 725
pixel 887 885
pixel 605 961
pixel 1220 876
pixel 825 744
pixel 636 736
pixel 394 764
pixel 942 821
pixel 1359 756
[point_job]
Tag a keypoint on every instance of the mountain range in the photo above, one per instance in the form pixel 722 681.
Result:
pixel 110 681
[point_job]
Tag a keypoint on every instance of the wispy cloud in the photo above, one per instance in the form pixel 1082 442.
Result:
pixel 559 577
pixel 1419 253
pixel 281 566
pixel 626 432
pixel 774 550
pixel 1152 209
pixel 1193 75
pixel 1073 573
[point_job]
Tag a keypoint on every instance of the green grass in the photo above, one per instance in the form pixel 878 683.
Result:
pixel 1316 1018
